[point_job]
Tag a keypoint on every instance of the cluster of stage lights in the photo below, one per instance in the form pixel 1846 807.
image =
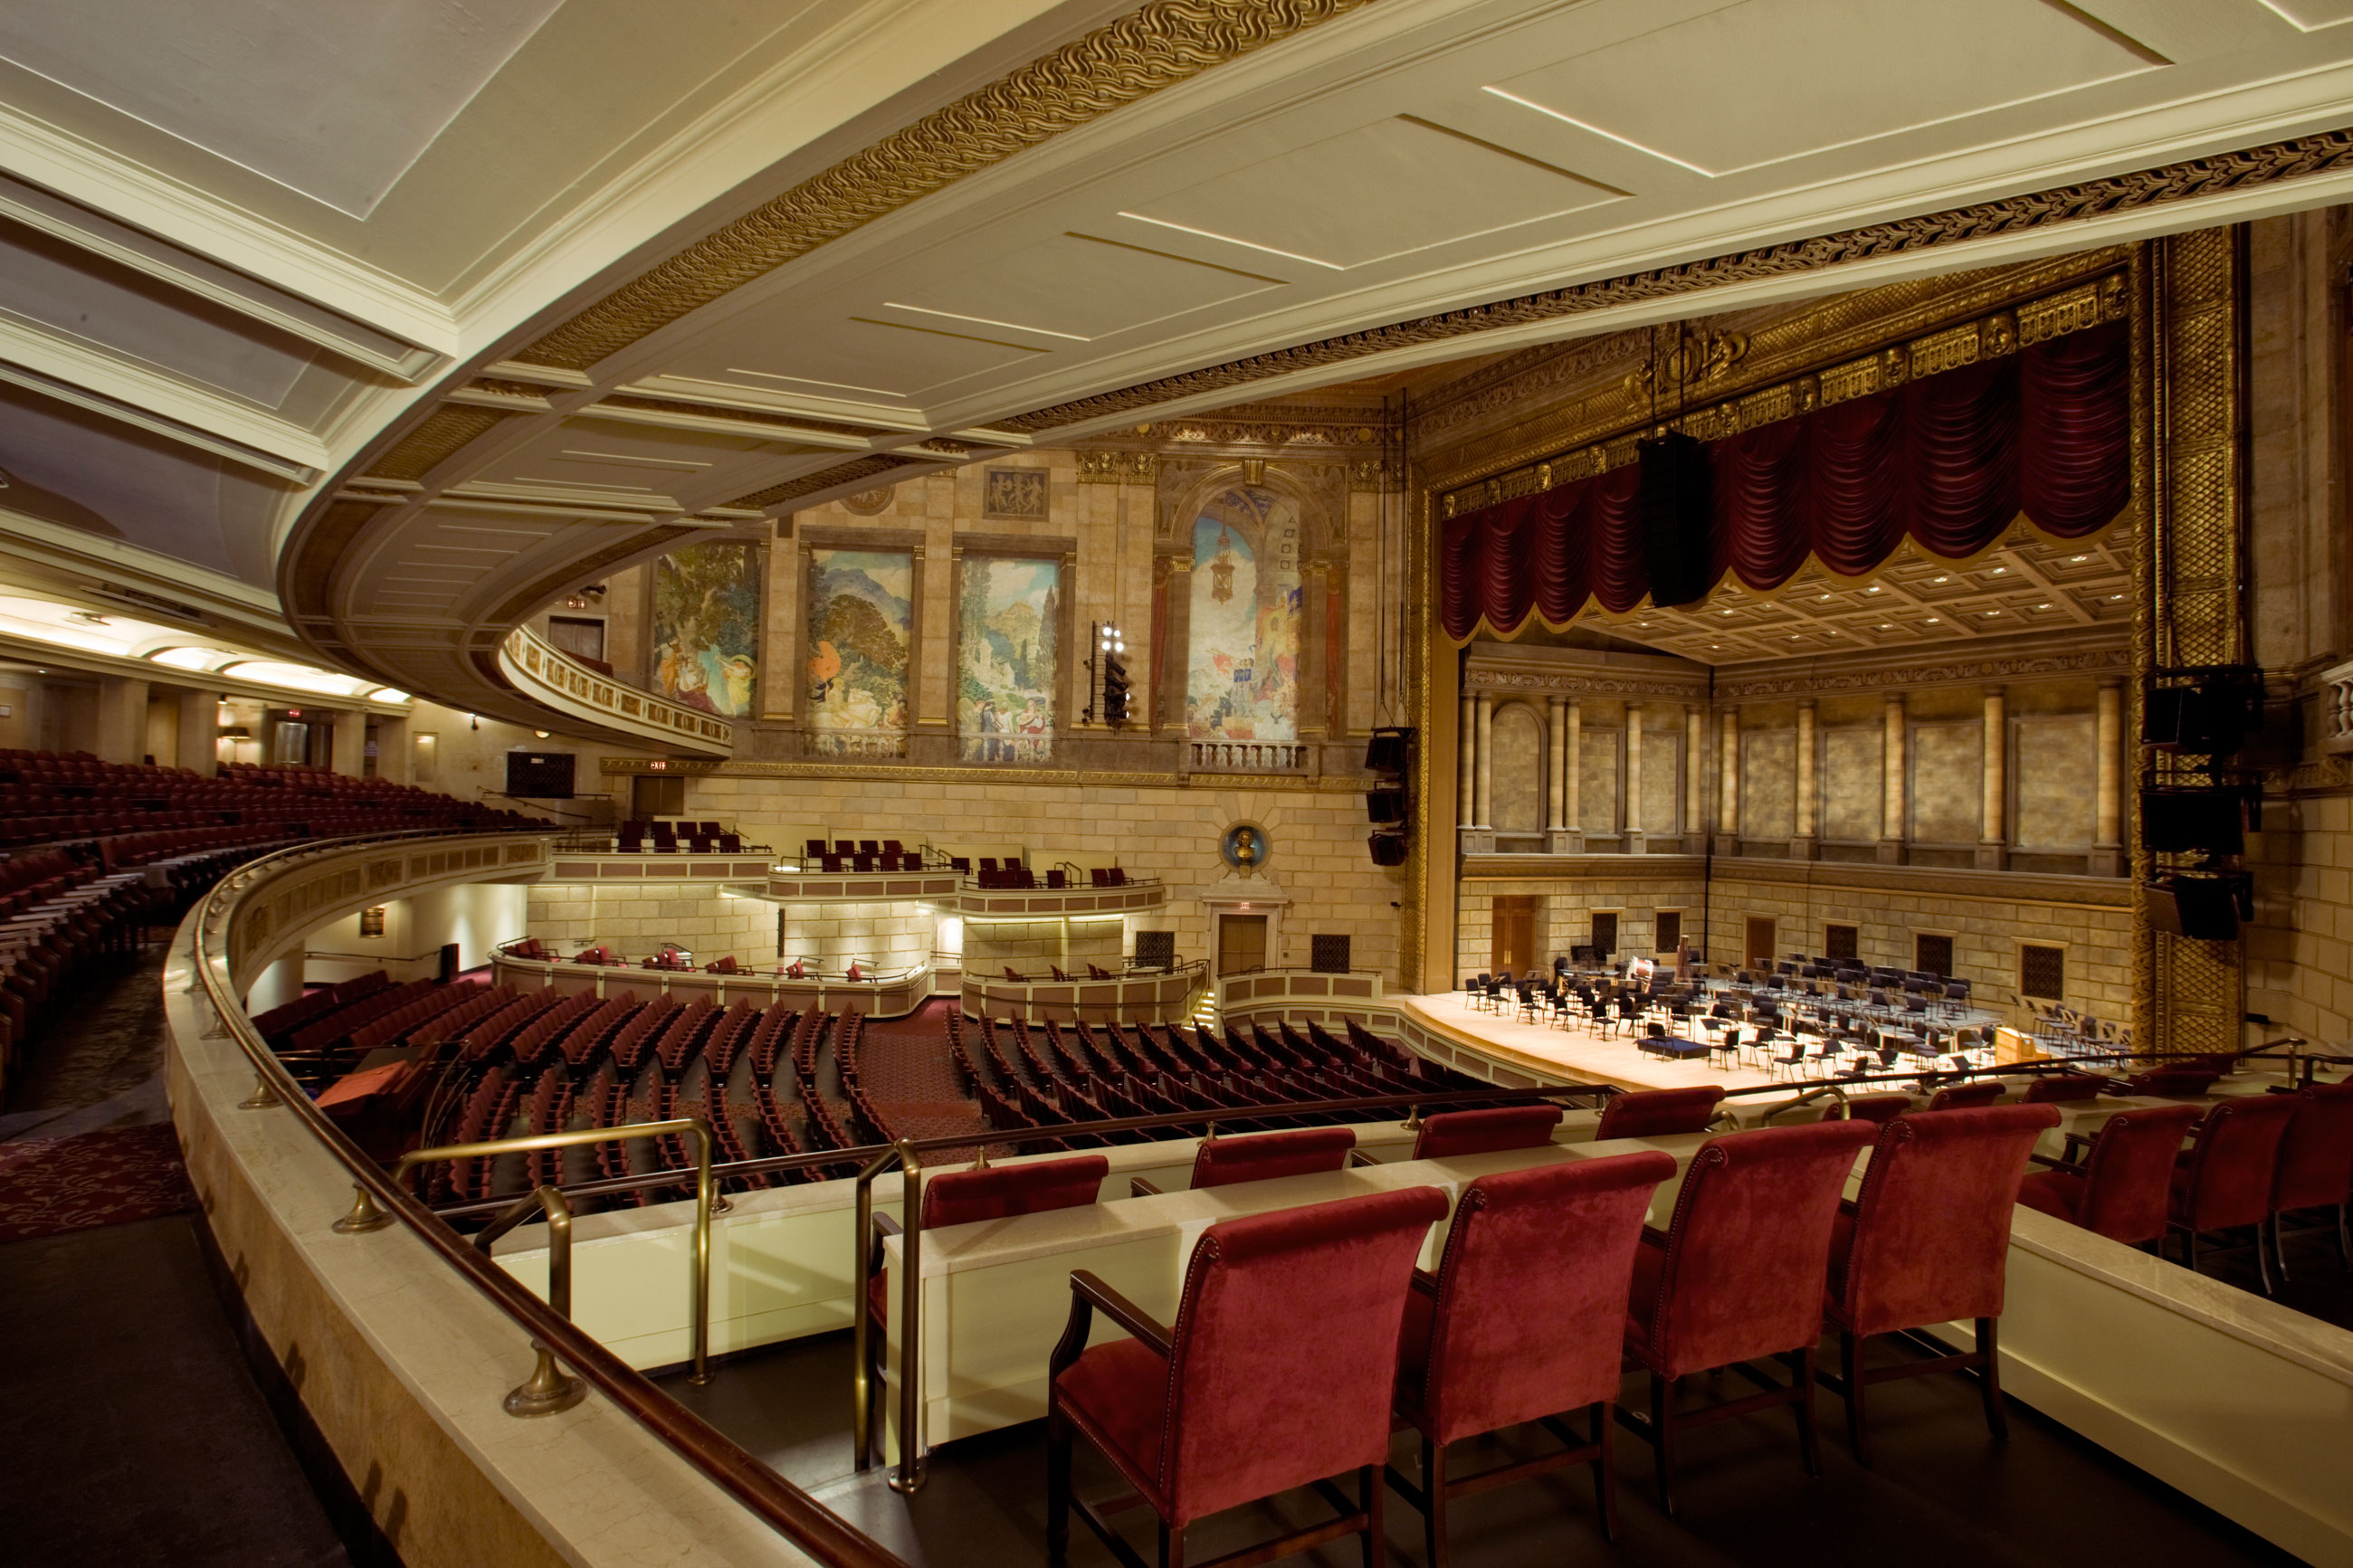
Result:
pixel 1111 651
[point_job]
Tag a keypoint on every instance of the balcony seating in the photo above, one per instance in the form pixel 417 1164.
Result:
pixel 1927 1241
pixel 1966 1096
pixel 1523 1321
pixel 2173 1082
pixel 2063 1088
pixel 2121 1190
pixel 724 964
pixel 1659 1112
pixel 2225 1179
pixel 2316 1165
pixel 1738 1276
pixel 1265 1157
pixel 1210 1415
pixel 1455 1132
pixel 1879 1108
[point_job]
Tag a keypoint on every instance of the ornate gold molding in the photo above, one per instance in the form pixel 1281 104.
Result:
pixel 2165 186
pixel 1155 46
pixel 825 480
pixel 437 438
pixel 997 777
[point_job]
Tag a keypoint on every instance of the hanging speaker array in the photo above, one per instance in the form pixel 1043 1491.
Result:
pixel 2205 804
pixel 1388 804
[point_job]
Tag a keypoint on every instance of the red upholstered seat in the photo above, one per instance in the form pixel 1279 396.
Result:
pixel 1927 1241
pixel 2121 1189
pixel 1880 1108
pixel 2174 1083
pixel 1659 1112
pixel 1739 1275
pixel 2060 1088
pixel 2225 1179
pixel 1481 1131
pixel 1263 1156
pixel 2315 1162
pixel 1523 1321
pixel 1964 1095
pixel 1277 1373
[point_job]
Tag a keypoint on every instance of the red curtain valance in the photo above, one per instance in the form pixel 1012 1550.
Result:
pixel 1948 460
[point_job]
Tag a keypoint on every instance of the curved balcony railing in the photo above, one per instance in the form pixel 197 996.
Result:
pixel 555 679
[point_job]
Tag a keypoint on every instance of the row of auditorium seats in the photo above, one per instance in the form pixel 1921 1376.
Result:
pixel 638 835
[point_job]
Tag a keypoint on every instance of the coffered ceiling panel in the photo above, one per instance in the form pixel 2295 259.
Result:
pixel 863 356
pixel 1079 286
pixel 638 466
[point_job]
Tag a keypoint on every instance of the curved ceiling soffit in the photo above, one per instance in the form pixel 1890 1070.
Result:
pixel 862 187
pixel 1157 46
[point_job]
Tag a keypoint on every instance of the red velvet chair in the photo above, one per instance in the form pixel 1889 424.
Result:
pixel 1966 1096
pixel 1263 1157
pixel 1485 1130
pixel 1524 1320
pixel 1739 1276
pixel 960 1198
pixel 2225 1179
pixel 2121 1188
pixel 1927 1241
pixel 2316 1163
pixel 1659 1112
pixel 1877 1109
pixel 2173 1083
pixel 2061 1088
pixel 1279 1373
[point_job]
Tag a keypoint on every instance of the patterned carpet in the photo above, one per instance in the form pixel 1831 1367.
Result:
pixel 50 1186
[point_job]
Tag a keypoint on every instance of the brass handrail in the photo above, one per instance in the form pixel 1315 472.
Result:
pixel 366 1217
pixel 546 1390
pixel 778 1502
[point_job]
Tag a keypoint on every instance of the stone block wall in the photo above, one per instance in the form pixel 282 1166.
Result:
pixel 633 921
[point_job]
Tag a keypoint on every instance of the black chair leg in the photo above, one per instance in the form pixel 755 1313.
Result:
pixel 1433 1502
pixel 1662 1439
pixel 2263 1261
pixel 1605 1471
pixel 1809 1439
pixel 1369 1485
pixel 1850 1371
pixel 1990 1379
pixel 1172 1546
pixel 2279 1247
pixel 1058 1492
pixel 2344 1238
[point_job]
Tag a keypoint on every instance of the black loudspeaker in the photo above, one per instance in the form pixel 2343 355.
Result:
pixel 544 776
pixel 2207 909
pixel 1383 805
pixel 2209 718
pixel 1388 848
pixel 1672 504
pixel 1385 754
pixel 2192 821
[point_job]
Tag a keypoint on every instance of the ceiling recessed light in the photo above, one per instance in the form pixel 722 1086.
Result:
pixel 1932 620
pixel 2113 597
pixel 1999 570
pixel 1874 587
pixel 2041 606
pixel 1885 627
pixel 1724 612
pixel 1825 595
pixel 1939 579
pixel 2079 560
pixel 1993 612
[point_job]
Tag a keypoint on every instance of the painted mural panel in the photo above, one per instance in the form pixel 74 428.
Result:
pixel 1854 790
pixel 1662 778
pixel 1516 777
pixel 1947 782
pixel 1243 675
pixel 707 627
pixel 862 622
pixel 2058 761
pixel 1008 632
pixel 1597 779
pixel 1769 783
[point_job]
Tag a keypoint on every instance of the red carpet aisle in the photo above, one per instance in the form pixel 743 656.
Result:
pixel 51 1185
pixel 906 1071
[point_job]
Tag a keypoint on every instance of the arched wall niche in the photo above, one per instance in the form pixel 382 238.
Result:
pixel 1518 799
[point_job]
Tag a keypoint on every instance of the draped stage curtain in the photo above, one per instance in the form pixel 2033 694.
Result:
pixel 1948 460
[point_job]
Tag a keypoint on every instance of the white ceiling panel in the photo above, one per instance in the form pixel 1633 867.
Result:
pixel 2311 16
pixel 1395 187
pixel 861 357
pixel 1872 69
pixel 1076 286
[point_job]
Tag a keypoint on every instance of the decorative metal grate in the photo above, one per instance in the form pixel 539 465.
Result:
pixel 1327 953
pixel 2043 972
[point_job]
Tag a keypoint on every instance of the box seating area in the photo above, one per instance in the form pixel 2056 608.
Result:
pixel 639 836
pixel 861 855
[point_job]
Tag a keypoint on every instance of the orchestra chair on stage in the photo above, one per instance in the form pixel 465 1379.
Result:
pixel 1263 1157
pixel 2316 1163
pixel 1279 1373
pixel 1523 1321
pixel 1659 1112
pixel 1926 1241
pixel 1481 1131
pixel 2122 1188
pixel 2224 1181
pixel 1738 1277
pixel 960 1198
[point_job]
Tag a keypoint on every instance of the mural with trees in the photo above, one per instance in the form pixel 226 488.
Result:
pixel 1009 635
pixel 707 627
pixel 860 627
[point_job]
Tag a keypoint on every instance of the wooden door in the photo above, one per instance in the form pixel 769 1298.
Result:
pixel 1241 943
pixel 1514 916
pixel 1605 934
pixel 1758 952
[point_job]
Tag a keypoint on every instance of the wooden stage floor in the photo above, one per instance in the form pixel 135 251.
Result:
pixel 1577 1051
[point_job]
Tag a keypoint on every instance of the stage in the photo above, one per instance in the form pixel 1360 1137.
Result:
pixel 1577 1051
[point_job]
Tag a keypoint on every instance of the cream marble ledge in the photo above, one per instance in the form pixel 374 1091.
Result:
pixel 594 1483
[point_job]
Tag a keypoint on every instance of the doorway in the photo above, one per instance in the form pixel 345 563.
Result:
pixel 1241 943
pixel 1757 953
pixel 1605 934
pixel 1514 916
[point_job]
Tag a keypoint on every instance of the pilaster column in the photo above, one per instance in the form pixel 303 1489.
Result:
pixel 1173 648
pixel 1894 812
pixel 1630 807
pixel 392 750
pixel 1466 799
pixel 2107 839
pixel 199 732
pixel 122 720
pixel 1557 759
pixel 1806 831
pixel 1485 776
pixel 1993 838
pixel 350 746
pixel 1727 819
pixel 1570 839
pixel 1315 700
pixel 1694 778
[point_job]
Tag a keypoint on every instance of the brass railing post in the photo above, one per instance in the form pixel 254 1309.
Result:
pixel 547 1390
pixel 910 1470
pixel 861 1340
pixel 700 1375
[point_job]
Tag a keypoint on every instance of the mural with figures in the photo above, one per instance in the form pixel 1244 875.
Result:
pixel 1008 632
pixel 707 627
pixel 1242 675
pixel 861 621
